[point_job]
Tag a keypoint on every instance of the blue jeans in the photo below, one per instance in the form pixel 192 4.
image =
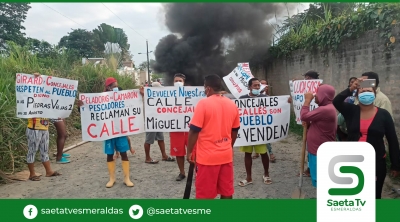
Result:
pixel 312 162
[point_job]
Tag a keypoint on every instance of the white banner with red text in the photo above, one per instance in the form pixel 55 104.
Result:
pixel 263 120
pixel 299 88
pixel 109 115
pixel 170 109
pixel 44 96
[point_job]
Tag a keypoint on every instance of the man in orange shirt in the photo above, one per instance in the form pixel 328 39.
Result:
pixel 213 129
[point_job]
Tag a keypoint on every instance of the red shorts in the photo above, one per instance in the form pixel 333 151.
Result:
pixel 178 141
pixel 214 180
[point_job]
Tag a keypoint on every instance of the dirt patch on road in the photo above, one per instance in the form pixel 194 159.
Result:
pixel 86 176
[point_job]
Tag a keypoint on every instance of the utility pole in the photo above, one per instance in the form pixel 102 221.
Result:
pixel 148 61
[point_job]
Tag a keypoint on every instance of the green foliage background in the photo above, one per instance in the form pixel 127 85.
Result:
pixel 20 60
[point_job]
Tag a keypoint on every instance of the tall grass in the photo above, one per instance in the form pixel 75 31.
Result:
pixel 13 143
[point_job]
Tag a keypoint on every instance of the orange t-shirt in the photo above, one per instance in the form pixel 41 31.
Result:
pixel 214 118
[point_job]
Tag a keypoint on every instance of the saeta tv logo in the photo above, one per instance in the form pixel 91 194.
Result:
pixel 346 182
pixel 346 170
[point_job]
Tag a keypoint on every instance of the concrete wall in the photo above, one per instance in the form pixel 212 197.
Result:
pixel 352 58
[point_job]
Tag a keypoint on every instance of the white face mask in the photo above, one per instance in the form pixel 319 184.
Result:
pixel 178 83
pixel 115 89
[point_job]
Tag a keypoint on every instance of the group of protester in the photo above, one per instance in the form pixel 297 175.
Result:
pixel 364 115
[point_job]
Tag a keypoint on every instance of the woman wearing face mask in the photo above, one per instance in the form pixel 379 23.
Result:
pixel 368 123
pixel 119 144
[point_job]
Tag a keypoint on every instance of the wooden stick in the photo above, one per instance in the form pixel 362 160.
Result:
pixel 73 146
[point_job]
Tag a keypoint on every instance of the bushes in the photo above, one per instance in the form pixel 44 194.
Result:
pixel 13 145
pixel 327 33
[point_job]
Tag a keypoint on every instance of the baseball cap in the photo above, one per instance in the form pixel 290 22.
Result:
pixel 109 81
pixel 313 74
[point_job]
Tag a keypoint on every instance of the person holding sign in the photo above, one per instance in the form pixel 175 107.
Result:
pixel 309 75
pixel 271 155
pixel 254 87
pixel 119 144
pixel 321 122
pixel 37 133
pixel 179 140
pixel 367 122
pixel 214 128
pixel 117 154
pixel 153 136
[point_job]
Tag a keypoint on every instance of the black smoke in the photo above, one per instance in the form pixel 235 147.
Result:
pixel 196 47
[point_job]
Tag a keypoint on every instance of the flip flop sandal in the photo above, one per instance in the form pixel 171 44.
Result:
pixel 169 159
pixel 55 173
pixel 35 178
pixel 244 183
pixel 267 180
pixel 272 160
pixel 152 162
pixel 255 157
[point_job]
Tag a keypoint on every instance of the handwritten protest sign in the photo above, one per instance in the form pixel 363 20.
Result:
pixel 299 88
pixel 291 88
pixel 44 96
pixel 237 80
pixel 263 120
pixel 170 109
pixel 109 115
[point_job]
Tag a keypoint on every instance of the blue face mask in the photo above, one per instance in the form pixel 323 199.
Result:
pixel 115 89
pixel 366 98
pixel 255 92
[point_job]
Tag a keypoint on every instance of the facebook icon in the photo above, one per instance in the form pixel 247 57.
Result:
pixel 30 212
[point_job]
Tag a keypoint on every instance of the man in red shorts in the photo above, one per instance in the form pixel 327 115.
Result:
pixel 179 140
pixel 214 128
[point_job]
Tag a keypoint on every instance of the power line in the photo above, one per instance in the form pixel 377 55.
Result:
pixel 123 21
pixel 63 15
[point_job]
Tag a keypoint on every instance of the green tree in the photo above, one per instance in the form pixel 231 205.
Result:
pixel 143 66
pixel 42 48
pixel 12 15
pixel 105 33
pixel 81 42
pixel 316 11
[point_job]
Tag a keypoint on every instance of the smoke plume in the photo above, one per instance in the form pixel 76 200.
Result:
pixel 196 47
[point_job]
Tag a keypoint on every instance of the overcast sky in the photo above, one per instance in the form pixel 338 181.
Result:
pixel 44 23
pixel 51 21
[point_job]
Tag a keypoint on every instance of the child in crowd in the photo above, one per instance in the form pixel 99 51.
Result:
pixel 119 144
